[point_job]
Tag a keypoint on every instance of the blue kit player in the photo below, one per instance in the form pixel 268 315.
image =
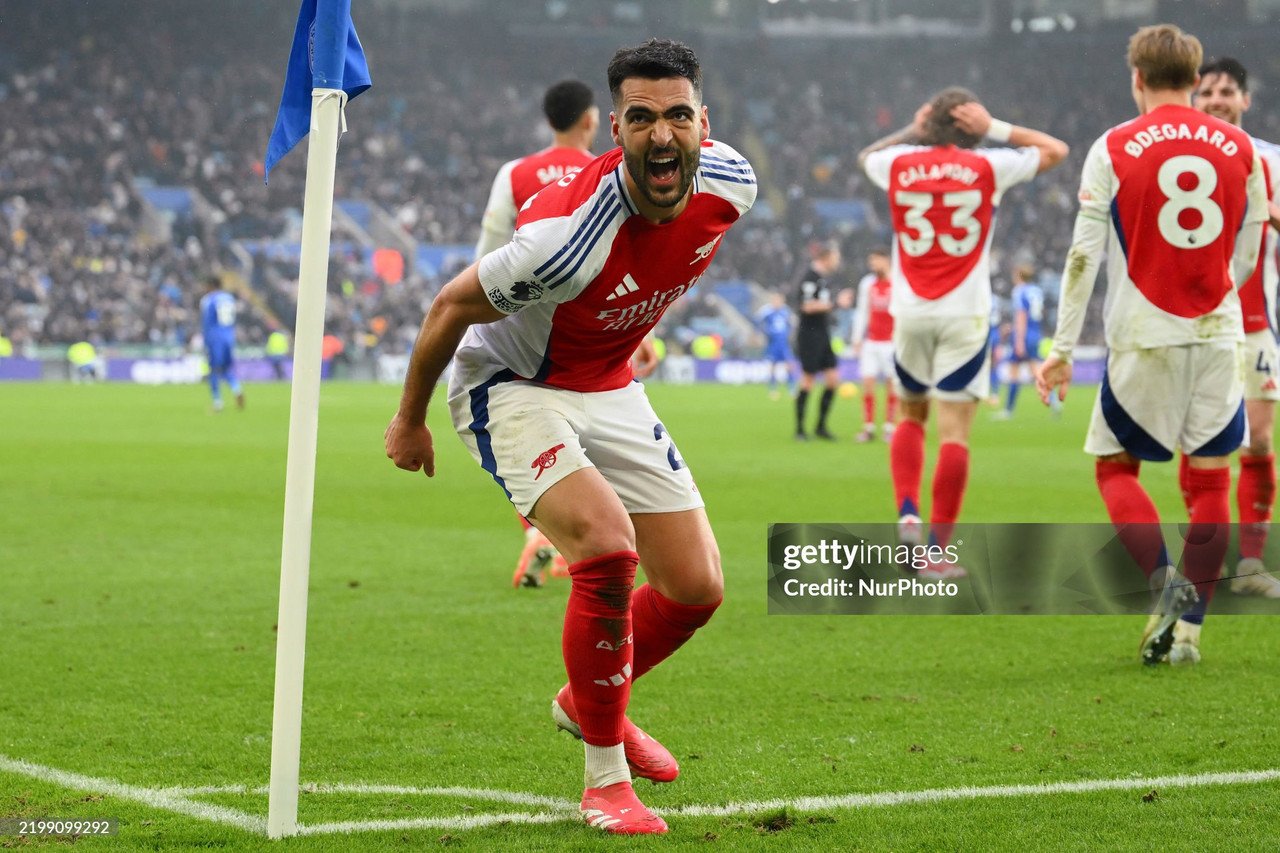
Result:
pixel 1027 305
pixel 218 326
pixel 774 320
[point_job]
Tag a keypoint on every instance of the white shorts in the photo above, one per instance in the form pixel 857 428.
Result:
pixel 947 354
pixel 1260 358
pixel 1153 401
pixel 530 436
pixel 876 360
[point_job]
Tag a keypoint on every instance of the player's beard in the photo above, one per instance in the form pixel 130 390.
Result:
pixel 638 167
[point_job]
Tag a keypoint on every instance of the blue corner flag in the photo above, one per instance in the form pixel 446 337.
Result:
pixel 326 54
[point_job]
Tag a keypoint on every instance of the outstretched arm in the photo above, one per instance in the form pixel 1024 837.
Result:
pixel 460 304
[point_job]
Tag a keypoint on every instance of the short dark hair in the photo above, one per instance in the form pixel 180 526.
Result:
pixel 565 102
pixel 882 251
pixel 656 59
pixel 940 128
pixel 1228 66
pixel 213 281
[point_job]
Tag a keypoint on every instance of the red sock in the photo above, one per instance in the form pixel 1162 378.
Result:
pixel 661 626
pixel 1133 514
pixel 1255 495
pixel 1209 530
pixel 597 643
pixel 906 461
pixel 1184 480
pixel 890 406
pixel 868 408
pixel 949 479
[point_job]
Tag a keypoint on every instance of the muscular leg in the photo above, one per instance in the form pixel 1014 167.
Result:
pixel 685 585
pixel 585 519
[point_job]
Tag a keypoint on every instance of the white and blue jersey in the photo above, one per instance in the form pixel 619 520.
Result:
pixel 218 326
pixel 776 325
pixel 1028 300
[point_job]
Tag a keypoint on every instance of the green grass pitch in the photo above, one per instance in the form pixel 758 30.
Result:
pixel 139 550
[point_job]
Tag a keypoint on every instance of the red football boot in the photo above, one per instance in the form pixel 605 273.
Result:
pixel 647 758
pixel 616 809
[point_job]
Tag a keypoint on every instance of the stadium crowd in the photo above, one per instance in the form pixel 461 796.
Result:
pixel 176 104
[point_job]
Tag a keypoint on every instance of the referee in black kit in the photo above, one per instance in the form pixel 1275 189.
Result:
pixel 814 304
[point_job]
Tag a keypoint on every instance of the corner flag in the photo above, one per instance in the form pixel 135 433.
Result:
pixel 326 55
pixel 326 50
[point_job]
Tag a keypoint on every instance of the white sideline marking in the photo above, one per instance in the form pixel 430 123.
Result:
pixel 935 795
pixel 176 799
pixel 489 794
pixel 146 796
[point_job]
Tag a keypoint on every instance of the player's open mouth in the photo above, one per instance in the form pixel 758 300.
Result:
pixel 663 170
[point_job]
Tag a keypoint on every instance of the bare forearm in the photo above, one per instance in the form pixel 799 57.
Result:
pixel 460 305
pixel 903 136
pixel 438 340
pixel 1052 150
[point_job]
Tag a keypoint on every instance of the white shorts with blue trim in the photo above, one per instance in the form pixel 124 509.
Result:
pixel 530 436
pixel 875 361
pixel 946 354
pixel 1261 363
pixel 1154 401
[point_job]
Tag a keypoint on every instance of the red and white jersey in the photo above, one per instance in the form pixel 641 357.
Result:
pixel 1258 293
pixel 1175 186
pixel 872 320
pixel 586 276
pixel 517 182
pixel 942 200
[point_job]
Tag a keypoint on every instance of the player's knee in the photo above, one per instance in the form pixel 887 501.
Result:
pixel 1260 444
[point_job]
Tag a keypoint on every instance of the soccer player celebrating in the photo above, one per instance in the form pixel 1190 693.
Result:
pixel 872 341
pixel 1176 198
pixel 570 110
pixel 218 328
pixel 1224 93
pixel 943 192
pixel 541 393
pixel 1028 313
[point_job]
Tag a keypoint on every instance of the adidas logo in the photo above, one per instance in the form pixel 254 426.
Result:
pixel 628 286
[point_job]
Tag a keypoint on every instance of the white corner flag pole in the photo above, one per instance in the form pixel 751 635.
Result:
pixel 299 490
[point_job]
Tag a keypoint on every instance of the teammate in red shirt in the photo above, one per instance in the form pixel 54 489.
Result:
pixel 542 333
pixel 571 113
pixel 1177 199
pixel 872 342
pixel 943 191
pixel 1224 92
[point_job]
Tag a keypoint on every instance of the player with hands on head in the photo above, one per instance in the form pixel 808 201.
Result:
pixel 943 193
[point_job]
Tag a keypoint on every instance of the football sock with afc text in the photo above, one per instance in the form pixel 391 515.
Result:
pixel 597 643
